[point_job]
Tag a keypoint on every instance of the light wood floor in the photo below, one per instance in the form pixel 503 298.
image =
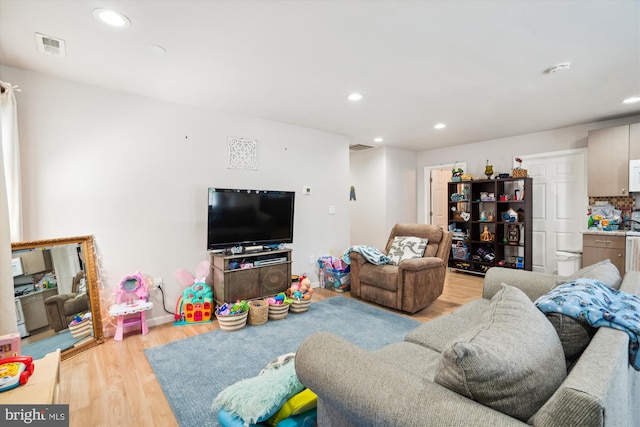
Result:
pixel 113 384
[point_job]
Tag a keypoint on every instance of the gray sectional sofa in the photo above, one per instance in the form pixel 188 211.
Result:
pixel 496 361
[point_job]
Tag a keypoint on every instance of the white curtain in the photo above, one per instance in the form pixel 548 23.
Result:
pixel 10 205
pixel 11 151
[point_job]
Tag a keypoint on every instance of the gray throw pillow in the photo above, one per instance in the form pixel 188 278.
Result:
pixel 574 335
pixel 511 361
pixel 603 271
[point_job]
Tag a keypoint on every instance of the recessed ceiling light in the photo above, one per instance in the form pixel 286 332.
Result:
pixel 158 50
pixel 563 66
pixel 354 96
pixel 440 126
pixel 378 139
pixel 111 18
pixel 631 100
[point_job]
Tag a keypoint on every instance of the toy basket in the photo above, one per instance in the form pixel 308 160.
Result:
pixel 278 311
pixel 233 322
pixel 460 252
pixel 519 173
pixel 300 305
pixel 258 312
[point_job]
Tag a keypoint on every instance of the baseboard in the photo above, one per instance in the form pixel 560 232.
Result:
pixel 110 330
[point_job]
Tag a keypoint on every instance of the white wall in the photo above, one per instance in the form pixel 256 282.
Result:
pixel 401 187
pixel 500 152
pixel 134 172
pixel 367 212
pixel 385 183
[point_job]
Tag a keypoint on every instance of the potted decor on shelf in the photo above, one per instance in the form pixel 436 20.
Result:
pixel 518 172
pixel 456 173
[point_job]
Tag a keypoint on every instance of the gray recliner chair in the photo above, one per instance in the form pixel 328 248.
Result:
pixel 61 309
pixel 411 285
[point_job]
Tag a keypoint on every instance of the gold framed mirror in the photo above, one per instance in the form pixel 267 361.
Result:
pixel 59 276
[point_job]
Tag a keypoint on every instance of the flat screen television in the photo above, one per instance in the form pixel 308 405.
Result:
pixel 249 218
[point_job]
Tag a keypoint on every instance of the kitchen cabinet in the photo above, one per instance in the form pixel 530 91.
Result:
pixel 35 314
pixel 634 141
pixel 598 247
pixel 609 151
pixel 36 261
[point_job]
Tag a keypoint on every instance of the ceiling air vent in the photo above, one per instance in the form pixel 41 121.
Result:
pixel 359 147
pixel 50 45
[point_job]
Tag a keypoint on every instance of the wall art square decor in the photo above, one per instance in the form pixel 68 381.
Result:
pixel 242 153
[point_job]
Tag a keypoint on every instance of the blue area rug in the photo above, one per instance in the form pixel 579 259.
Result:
pixel 194 370
pixel 62 340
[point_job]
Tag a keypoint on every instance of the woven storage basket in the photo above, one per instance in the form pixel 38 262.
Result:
pixel 300 306
pixel 278 311
pixel 233 322
pixel 519 173
pixel 258 312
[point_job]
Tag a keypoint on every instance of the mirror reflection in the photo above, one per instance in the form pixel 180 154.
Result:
pixel 56 295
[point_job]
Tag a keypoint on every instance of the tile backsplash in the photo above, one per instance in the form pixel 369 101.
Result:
pixel 619 202
pixel 625 204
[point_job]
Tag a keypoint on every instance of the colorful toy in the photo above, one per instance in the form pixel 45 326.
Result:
pixel 236 308
pixel 195 305
pixel 279 299
pixel 132 300
pixel 10 345
pixel 301 290
pixel 15 371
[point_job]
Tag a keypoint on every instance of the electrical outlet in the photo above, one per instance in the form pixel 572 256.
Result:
pixel 332 210
pixel 306 190
pixel 157 282
pixel 312 259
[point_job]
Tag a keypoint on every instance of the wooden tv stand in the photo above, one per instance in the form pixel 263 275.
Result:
pixel 270 274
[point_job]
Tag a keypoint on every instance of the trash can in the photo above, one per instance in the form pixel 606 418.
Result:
pixel 568 262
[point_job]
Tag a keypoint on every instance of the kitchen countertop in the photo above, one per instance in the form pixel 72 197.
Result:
pixel 621 233
pixel 39 291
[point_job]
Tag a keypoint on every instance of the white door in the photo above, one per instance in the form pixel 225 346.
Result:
pixel 435 192
pixel 439 180
pixel 559 204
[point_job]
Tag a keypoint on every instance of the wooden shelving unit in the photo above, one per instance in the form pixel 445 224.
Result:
pixel 482 236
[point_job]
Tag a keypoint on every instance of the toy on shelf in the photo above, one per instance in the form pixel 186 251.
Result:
pixel 132 300
pixel 15 371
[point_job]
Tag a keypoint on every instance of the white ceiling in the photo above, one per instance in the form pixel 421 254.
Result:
pixel 476 65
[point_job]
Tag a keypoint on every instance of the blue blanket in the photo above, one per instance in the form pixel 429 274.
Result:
pixel 371 254
pixel 596 304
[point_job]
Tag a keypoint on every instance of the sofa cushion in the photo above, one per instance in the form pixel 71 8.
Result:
pixel 574 334
pixel 438 333
pixel 511 361
pixel 603 271
pixel 406 247
pixel 382 276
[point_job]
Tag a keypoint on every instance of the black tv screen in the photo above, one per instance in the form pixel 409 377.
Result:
pixel 249 218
